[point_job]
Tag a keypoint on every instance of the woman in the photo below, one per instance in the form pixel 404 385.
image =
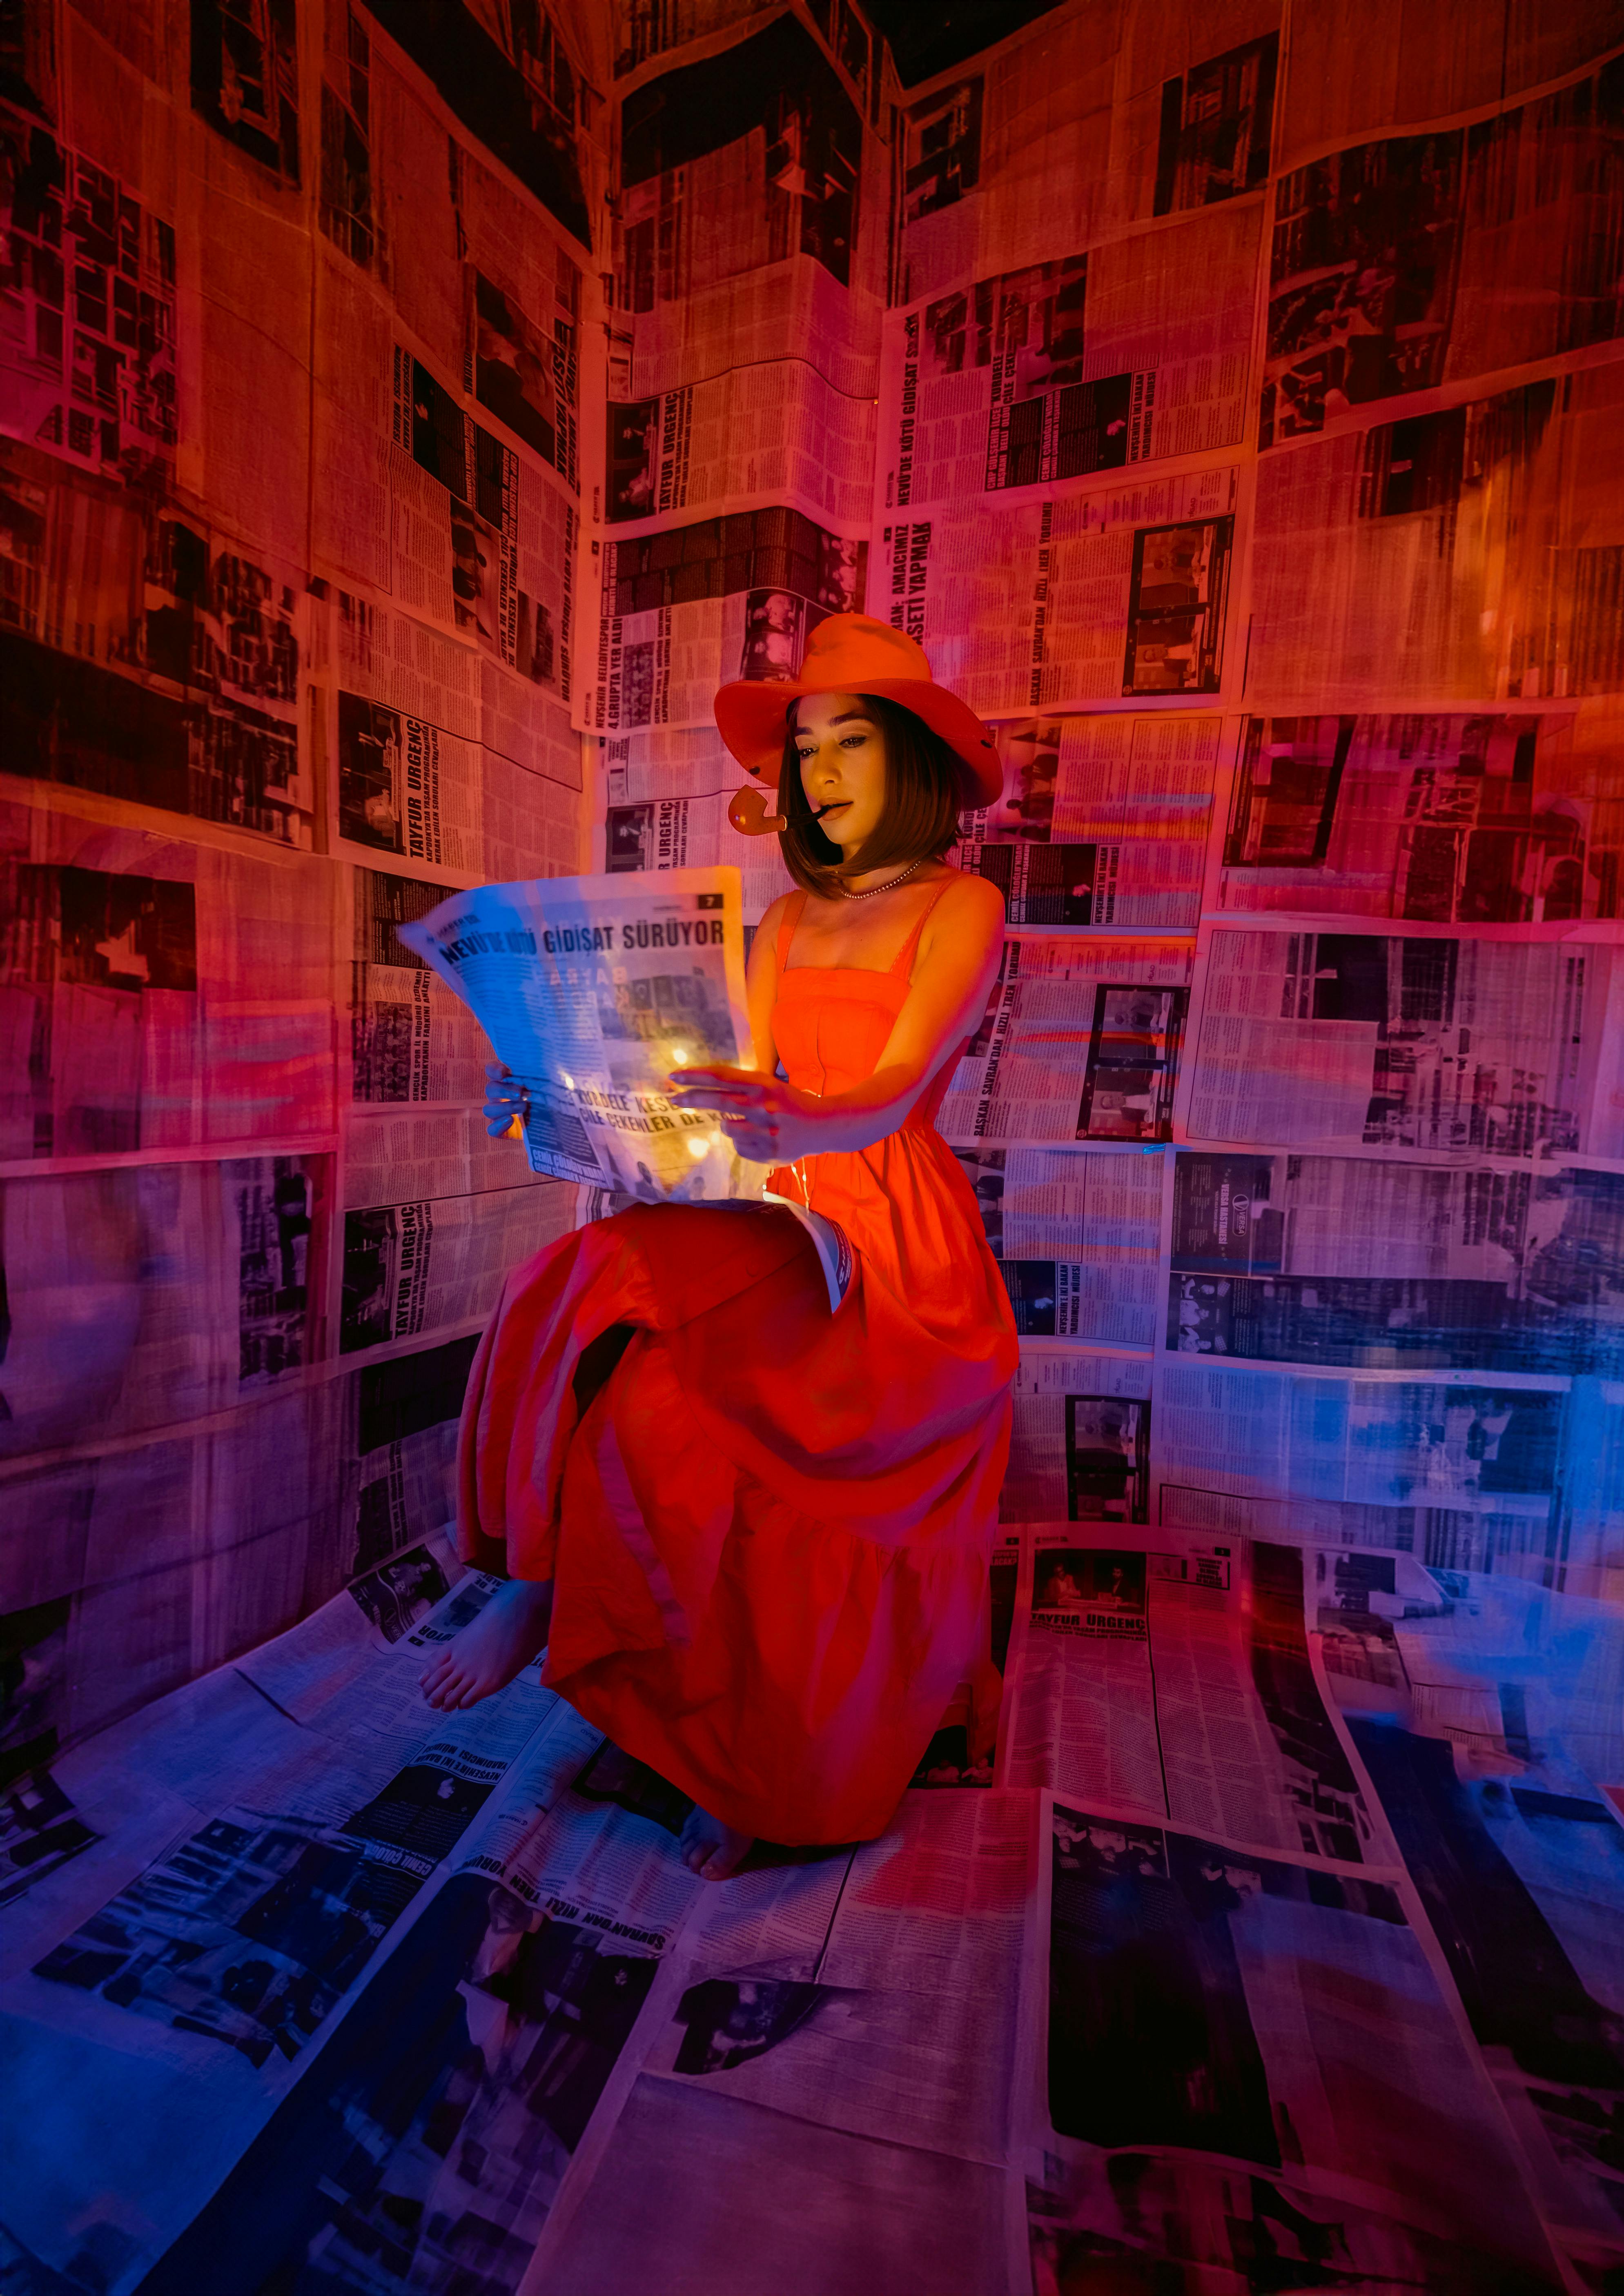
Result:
pixel 753 1536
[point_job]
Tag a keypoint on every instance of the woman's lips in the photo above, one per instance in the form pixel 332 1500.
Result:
pixel 839 806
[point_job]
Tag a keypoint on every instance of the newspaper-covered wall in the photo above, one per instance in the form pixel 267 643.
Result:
pixel 409 413
pixel 303 344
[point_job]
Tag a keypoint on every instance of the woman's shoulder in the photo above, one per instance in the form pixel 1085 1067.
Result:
pixel 776 912
pixel 773 918
pixel 968 898
pixel 968 885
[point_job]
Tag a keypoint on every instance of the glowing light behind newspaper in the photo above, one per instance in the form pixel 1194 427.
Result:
pixel 592 991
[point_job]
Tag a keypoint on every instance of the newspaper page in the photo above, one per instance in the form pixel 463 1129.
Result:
pixel 413 1268
pixel 593 989
pixel 1470 1468
pixel 354 1838
pixel 350 509
pixel 448 444
pixel 139 1011
pixel 40 1830
pixel 136 375
pixel 522 2020
pixel 100 1814
pixel 1353 86
pixel 1102 821
pixel 1494 1782
pixel 81 1824
pixel 1368 1262
pixel 146 1332
pixel 881 2064
pixel 1496 1044
pixel 1080 1445
pixel 231 1954
pixel 410 1040
pixel 416 780
pixel 203 681
pixel 61 1597
pixel 142 1563
pixel 1086 361
pixel 1446 556
pixel 752 216
pixel 579 1855
pixel 1450 1532
pixel 520 89
pixel 399 1595
pixel 659 763
pixel 934 1904
pixel 690 607
pixel 400 1154
pixel 400 1414
pixel 853 2205
pixel 774 1920
pixel 1058 602
pixel 1076 1236
pixel 1590 1560
pixel 1481 203
pixel 759 2097
pixel 737 474
pixel 872 2091
pixel 1142 115
pixel 1160 2138
pixel 1081 1041
pixel 1186 1678
pixel 453 513
pixel 1492 818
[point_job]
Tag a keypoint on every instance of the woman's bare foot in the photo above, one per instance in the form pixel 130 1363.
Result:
pixel 509 1632
pixel 711 1850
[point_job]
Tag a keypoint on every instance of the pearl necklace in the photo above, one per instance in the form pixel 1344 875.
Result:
pixel 890 883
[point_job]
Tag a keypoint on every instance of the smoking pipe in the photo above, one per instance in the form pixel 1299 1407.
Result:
pixel 747 811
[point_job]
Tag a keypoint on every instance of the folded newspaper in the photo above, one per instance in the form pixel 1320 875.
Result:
pixel 592 991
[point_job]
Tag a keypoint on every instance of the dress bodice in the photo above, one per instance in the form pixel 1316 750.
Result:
pixel 831 1023
pixel 903 1202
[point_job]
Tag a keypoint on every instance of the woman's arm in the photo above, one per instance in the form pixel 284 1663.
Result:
pixel 761 986
pixel 770 1122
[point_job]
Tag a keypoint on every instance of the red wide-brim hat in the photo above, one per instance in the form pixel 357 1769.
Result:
pixel 853 653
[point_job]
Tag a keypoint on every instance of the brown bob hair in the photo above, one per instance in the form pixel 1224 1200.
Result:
pixel 924 793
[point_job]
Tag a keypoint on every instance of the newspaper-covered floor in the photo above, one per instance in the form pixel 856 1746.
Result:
pixel 1254 1922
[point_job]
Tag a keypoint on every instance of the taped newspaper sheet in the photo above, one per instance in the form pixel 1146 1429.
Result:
pixel 1195 2136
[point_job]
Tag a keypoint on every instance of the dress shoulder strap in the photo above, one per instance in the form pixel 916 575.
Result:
pixel 903 961
pixel 787 924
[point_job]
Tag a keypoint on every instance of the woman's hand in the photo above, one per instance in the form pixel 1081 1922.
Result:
pixel 504 1103
pixel 767 1121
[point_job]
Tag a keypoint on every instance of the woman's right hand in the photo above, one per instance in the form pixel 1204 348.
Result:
pixel 504 1103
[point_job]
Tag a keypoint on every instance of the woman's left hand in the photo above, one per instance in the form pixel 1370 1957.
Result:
pixel 767 1121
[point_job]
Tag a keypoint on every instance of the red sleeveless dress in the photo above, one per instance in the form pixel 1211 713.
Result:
pixel 768 1526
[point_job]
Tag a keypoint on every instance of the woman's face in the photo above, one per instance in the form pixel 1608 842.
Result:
pixel 842 766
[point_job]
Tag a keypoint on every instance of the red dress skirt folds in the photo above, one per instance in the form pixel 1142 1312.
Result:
pixel 768 1528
